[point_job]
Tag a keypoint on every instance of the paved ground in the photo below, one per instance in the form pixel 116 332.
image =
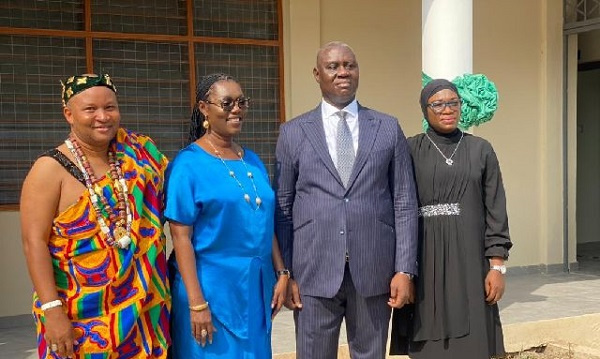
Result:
pixel 534 307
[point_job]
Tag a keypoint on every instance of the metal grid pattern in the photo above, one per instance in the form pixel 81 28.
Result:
pixel 166 17
pixel 143 45
pixel 152 81
pixel 49 14
pixel 31 118
pixel 257 70
pixel 250 19
pixel 581 10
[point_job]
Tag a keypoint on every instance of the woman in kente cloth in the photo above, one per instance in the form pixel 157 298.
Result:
pixel 91 217
pixel 464 239
pixel 227 274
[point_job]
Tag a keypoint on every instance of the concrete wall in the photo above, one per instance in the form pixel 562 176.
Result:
pixel 386 37
pixel 507 48
pixel 14 278
pixel 521 51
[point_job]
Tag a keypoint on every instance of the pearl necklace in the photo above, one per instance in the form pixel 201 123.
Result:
pixel 120 236
pixel 257 200
pixel 449 160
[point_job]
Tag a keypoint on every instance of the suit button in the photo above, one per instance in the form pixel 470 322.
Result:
pixel 346 199
pixel 342 232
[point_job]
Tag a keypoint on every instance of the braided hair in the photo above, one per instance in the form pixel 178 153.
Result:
pixel 202 92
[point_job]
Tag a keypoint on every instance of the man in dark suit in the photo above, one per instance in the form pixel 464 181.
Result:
pixel 346 215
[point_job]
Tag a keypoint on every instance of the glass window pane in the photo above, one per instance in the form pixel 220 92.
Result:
pixel 49 14
pixel 248 19
pixel 257 70
pixel 166 17
pixel 31 119
pixel 152 81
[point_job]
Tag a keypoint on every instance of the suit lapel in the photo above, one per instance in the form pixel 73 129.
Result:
pixel 315 133
pixel 367 132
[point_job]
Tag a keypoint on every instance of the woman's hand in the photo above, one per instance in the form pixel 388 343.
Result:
pixel 202 327
pixel 279 295
pixel 494 287
pixel 59 332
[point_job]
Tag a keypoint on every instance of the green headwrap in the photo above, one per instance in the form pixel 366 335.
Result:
pixel 479 99
pixel 76 84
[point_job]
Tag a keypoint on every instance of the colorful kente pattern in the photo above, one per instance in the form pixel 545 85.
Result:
pixel 118 299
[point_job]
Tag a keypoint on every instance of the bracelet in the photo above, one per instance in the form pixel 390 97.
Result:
pixel 199 307
pixel 52 304
pixel 284 272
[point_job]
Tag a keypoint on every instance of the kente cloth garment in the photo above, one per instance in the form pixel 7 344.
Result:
pixel 117 299
pixel 232 242
pixel 451 318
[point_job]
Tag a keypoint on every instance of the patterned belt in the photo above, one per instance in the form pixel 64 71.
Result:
pixel 442 209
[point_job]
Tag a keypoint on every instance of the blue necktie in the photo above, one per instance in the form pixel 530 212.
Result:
pixel 345 149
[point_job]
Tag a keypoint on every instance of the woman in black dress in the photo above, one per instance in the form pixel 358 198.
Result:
pixel 464 239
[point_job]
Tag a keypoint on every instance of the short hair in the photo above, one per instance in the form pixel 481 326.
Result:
pixel 331 45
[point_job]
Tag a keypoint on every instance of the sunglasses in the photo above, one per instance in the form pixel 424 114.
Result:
pixel 229 104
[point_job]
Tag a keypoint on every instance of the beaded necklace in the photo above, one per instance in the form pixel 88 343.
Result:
pixel 120 236
pixel 257 200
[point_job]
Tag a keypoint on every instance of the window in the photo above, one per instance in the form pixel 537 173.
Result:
pixel 155 50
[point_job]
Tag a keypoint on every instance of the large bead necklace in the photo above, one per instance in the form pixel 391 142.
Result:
pixel 257 199
pixel 121 234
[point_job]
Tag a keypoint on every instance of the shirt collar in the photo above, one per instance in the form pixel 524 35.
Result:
pixel 328 110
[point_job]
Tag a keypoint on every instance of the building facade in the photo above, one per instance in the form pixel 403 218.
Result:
pixel 544 144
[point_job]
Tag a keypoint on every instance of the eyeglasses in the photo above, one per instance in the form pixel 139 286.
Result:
pixel 439 107
pixel 228 104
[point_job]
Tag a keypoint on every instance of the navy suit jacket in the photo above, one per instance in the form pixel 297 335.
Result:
pixel 318 220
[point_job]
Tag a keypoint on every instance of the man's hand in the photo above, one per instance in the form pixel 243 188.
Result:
pixel 293 296
pixel 402 291
pixel 494 287
pixel 279 295
pixel 59 332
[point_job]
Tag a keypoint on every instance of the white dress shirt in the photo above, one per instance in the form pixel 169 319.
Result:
pixel 330 122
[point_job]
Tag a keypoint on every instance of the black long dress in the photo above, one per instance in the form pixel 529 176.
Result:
pixel 450 318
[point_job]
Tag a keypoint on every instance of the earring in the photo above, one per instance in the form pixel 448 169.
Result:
pixel 206 124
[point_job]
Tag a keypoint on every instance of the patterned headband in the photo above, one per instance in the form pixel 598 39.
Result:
pixel 76 84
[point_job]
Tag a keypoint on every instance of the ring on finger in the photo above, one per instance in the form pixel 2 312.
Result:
pixel 203 333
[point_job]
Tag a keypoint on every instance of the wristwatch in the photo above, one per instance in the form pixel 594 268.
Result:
pixel 501 269
pixel 285 272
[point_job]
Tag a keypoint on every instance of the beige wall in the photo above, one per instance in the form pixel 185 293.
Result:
pixel 509 53
pixel 14 279
pixel 386 36
pixel 522 52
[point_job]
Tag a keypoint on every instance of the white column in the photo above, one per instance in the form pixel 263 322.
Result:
pixel 447 38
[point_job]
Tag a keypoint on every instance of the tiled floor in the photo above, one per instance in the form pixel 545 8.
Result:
pixel 529 297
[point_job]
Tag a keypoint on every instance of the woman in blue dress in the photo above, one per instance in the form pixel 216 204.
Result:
pixel 227 275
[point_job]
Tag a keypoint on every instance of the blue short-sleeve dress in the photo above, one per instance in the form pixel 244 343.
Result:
pixel 232 241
